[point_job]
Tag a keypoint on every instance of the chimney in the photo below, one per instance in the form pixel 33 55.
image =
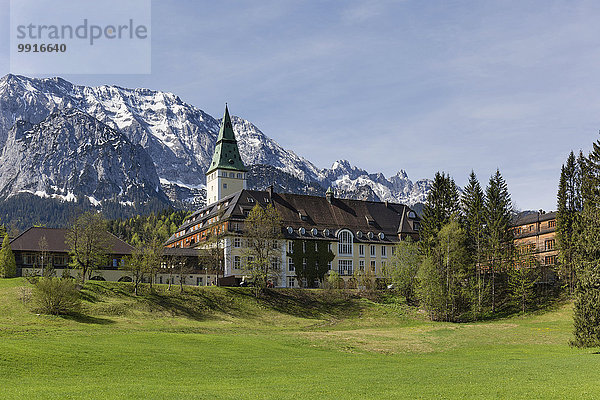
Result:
pixel 329 195
pixel 270 190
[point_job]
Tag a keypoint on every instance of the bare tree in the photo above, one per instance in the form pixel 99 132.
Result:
pixel 89 243
pixel 262 233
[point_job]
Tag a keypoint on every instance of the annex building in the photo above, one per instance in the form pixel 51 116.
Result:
pixel 360 234
pixel 535 241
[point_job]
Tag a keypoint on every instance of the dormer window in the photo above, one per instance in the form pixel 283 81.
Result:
pixel 250 200
pixel 303 215
pixel 412 215
pixel 370 220
pixel 314 231
pixel 301 231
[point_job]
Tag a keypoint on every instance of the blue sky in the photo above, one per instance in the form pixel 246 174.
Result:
pixel 415 85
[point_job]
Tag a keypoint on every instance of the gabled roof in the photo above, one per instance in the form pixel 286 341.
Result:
pixel 56 239
pixel 227 154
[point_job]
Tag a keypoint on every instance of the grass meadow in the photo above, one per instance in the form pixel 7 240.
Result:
pixel 220 343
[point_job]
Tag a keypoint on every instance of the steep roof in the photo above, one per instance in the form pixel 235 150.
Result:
pixel 56 239
pixel 227 154
pixel 313 212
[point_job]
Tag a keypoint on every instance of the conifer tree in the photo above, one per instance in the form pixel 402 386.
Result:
pixel 442 203
pixel 587 255
pixel 472 202
pixel 568 206
pixel 8 267
pixel 498 213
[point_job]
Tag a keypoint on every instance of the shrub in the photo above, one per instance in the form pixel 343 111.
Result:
pixel 56 296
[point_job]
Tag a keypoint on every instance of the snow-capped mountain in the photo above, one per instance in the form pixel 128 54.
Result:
pixel 179 139
pixel 350 181
pixel 70 154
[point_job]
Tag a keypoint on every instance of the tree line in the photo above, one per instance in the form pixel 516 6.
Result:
pixel 578 239
pixel 465 266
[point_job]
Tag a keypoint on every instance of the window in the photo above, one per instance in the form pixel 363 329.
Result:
pixel 237 242
pixel 291 265
pixel 232 175
pixel 383 251
pixel 291 281
pixel 393 250
pixel 550 260
pixel 275 245
pixel 329 246
pixel 416 226
pixel 237 262
pixel 224 186
pixel 361 265
pixel 249 260
pixel 236 226
pixel 290 247
pixel 345 267
pixel 373 251
pixel 345 243
pixel 552 223
pixel 60 260
pixel 531 247
pixel 549 244
pixel 239 175
pixel 383 265
pixel 274 263
pixel 361 250
pixel 330 265
pixel 373 265
pixel 199 281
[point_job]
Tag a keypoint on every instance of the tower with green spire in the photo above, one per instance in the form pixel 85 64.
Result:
pixel 226 173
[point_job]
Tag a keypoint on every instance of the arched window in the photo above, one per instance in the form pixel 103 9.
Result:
pixel 345 243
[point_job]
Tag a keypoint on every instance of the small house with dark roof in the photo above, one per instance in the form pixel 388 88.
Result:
pixel 361 234
pixel 40 247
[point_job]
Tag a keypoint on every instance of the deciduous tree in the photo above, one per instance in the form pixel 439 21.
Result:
pixel 261 229
pixel 89 243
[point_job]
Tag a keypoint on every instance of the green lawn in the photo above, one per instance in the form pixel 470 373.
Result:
pixel 218 343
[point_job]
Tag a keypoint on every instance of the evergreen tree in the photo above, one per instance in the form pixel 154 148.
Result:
pixel 587 254
pixel 521 284
pixel 8 267
pixel 473 201
pixel 442 203
pixel 568 206
pixel 499 239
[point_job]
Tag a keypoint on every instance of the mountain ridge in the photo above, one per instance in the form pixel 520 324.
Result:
pixel 179 139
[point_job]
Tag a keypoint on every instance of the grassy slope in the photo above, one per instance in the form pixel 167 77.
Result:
pixel 223 344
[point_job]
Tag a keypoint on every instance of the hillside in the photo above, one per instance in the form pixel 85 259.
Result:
pixel 302 344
